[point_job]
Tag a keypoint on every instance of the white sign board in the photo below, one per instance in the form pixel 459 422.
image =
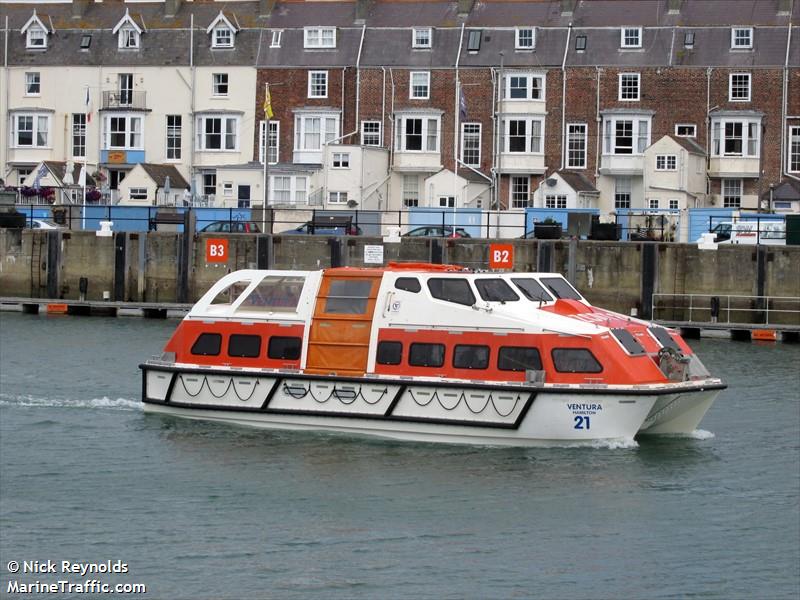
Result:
pixel 373 255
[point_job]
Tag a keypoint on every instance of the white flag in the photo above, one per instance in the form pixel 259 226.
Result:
pixel 82 177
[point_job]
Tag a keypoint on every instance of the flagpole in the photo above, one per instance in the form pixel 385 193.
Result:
pixel 267 108
pixel 455 149
pixel 85 152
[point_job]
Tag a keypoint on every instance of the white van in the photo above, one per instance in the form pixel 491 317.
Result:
pixel 747 232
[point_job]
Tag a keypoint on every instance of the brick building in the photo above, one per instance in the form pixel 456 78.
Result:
pixel 634 104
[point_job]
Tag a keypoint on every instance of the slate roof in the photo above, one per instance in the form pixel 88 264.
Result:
pixel 159 174
pixel 688 144
pixel 788 190
pixel 59 170
pixel 578 181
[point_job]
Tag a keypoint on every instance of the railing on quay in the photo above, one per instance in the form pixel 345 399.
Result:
pixel 727 309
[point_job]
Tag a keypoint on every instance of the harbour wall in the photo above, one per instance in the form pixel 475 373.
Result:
pixel 171 267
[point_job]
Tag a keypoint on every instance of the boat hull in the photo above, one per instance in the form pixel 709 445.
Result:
pixel 447 411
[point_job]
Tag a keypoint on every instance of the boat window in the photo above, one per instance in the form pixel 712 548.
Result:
pixel 287 348
pixel 207 344
pixel 561 288
pixel 275 294
pixel 518 358
pixel 451 290
pixel 244 346
pixel 470 357
pixel 495 290
pixel 426 355
pixel 408 284
pixel 575 360
pixel 389 353
pixel 230 293
pixel 348 296
pixel 630 343
pixel 664 338
pixel 532 289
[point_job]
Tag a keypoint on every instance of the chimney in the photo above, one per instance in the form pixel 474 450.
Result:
pixel 465 7
pixel 265 7
pixel 568 7
pixel 362 10
pixel 674 7
pixel 79 8
pixel 171 7
pixel 784 7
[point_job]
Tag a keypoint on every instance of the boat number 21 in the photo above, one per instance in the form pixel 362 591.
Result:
pixel 581 422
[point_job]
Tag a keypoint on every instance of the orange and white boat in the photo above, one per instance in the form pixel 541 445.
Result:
pixel 429 353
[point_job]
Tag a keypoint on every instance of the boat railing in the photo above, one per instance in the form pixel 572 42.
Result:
pixel 727 309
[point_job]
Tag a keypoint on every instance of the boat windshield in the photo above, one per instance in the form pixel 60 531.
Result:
pixel 495 290
pixel 274 294
pixel 561 288
pixel 532 289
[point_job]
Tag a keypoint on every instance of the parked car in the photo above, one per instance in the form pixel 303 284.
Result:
pixel 326 226
pixel 231 227
pixel 40 224
pixel 750 232
pixel 437 231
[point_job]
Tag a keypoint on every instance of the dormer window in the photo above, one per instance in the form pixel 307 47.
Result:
pixel 319 37
pixel 741 38
pixel 222 31
pixel 422 37
pixel 631 37
pixel 525 38
pixel 127 32
pixel 35 33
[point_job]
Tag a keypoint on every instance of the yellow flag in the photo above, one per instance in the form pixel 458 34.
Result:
pixel 267 103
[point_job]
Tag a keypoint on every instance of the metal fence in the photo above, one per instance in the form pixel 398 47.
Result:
pixel 727 309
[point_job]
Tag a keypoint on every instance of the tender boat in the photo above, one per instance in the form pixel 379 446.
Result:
pixel 424 352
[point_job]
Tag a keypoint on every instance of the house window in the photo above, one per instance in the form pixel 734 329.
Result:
pixel 629 86
pixel 125 88
pixel 222 38
pixel 674 204
pixel 30 130
pixel 580 43
pixel 218 133
pixel 370 133
pixel 317 84
pixel 739 87
pixel 447 201
pixel 631 37
pixel 474 40
pixel 319 37
pixel 417 134
pixel 652 203
pixel 419 85
pixel 78 135
pixel 312 131
pixel 277 34
pixel 128 38
pixel 274 128
pixel 686 130
pixel 174 123
pixel 666 162
pixel 622 192
pixel 284 189
pixel 410 191
pixel 123 132
pixel 36 38
pixel 741 38
pixel 138 194
pixel 735 138
pixel 227 189
pixel 626 136
pixel 576 145
pixel 421 38
pixel 219 84
pixel 731 193
pixel 471 144
pixel 341 160
pixel 33 84
pixel 794 149
pixel 209 184
pixel 337 197
pixel 525 38
pixel 524 86
pixel 559 201
pixel 520 192
pixel 523 136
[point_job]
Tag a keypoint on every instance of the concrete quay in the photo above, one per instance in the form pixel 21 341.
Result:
pixel 161 271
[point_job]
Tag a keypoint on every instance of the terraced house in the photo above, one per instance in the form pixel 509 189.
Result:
pixel 606 104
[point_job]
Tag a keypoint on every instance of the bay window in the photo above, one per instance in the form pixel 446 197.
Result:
pixel 417 134
pixel 794 149
pixel 312 130
pixel 122 132
pixel 30 130
pixel 288 189
pixel 625 135
pixel 524 86
pixel 217 133
pixel 736 137
pixel 523 135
